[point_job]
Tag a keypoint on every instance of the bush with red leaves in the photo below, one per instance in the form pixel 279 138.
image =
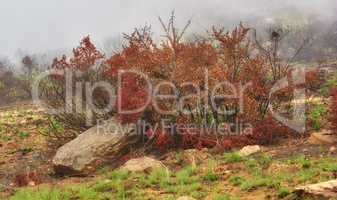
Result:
pixel 178 62
pixel 132 96
pixel 225 55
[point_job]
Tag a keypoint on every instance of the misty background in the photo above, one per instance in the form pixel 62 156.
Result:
pixel 46 28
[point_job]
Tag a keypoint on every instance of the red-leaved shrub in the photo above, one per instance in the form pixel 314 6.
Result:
pixel 223 56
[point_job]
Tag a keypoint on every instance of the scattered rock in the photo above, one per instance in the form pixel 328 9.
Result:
pixel 320 190
pixel 249 150
pixel 322 137
pixel 332 149
pixel 79 155
pixel 142 164
pixel 186 198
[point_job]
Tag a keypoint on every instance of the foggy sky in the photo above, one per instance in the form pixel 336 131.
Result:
pixel 42 25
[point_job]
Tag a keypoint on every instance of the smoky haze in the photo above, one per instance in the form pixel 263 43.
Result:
pixel 37 26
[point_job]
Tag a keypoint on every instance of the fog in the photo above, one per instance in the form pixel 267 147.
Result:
pixel 38 26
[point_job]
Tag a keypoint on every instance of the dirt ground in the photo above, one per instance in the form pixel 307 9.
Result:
pixel 24 149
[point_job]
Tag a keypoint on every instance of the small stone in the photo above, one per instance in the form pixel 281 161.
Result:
pixel 31 183
pixel 249 150
pixel 142 164
pixel 332 149
pixel 322 137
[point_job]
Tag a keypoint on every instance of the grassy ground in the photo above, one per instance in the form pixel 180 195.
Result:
pixel 271 174
pixel 222 178
pixel 22 146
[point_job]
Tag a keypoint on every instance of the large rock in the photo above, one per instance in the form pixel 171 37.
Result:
pixel 83 154
pixel 249 150
pixel 324 190
pixel 142 164
pixel 323 137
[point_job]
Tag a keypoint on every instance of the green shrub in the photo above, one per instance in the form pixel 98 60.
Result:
pixel 316 116
pixel 236 180
pixel 232 157
pixel 283 192
pixel 210 176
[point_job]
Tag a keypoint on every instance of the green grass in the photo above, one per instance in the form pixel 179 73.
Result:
pixel 257 182
pixel 210 176
pixel 25 150
pixel 331 82
pixel 253 167
pixel 159 177
pixel 83 192
pixel 23 134
pixel 264 160
pixel 5 137
pixel 313 170
pixel 198 182
pixel 327 164
pixel 2 128
pixel 232 157
pixel 283 192
pixel 185 176
pixel 306 175
pixel 178 157
pixel 186 182
pixel 236 180
pixel 224 197
pixel 118 175
pixel 41 193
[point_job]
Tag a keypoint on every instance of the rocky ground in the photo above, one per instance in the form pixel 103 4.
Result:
pixel 271 172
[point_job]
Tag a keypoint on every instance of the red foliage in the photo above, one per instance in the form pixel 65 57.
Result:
pixel 225 55
pixel 131 96
pixel 269 130
pixel 83 57
pixel 178 62
pixel 312 80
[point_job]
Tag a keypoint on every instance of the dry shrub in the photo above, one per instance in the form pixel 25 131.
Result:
pixel 85 67
pixel 226 55
pixel 13 88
